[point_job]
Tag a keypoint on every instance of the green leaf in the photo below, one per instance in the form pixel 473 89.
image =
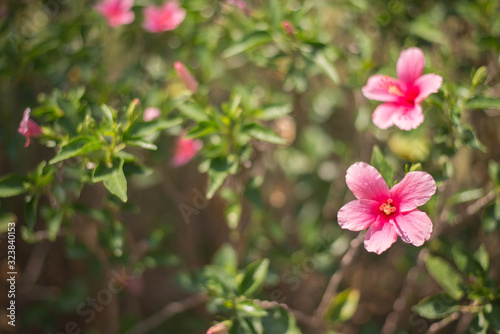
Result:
pixel 465 263
pixel 248 308
pixel 200 130
pixel 226 257
pixel 479 76
pixel 479 325
pixel 142 143
pixel 274 111
pixel 5 219
pixel 444 274
pixel 491 217
pixel 492 315
pixel 113 178
pixel 279 321
pixel 194 112
pixel 482 257
pixel 255 39
pixel 75 147
pixel 483 102
pixel 12 185
pixel 109 113
pixel 343 306
pixel 30 211
pixel 261 133
pixel 217 174
pixel 436 307
pixel 320 59
pixel 378 161
pixel 146 129
pixel 54 224
pixel 255 274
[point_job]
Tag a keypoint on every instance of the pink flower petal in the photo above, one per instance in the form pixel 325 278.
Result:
pixel 410 65
pixel 376 88
pixel 409 118
pixel 358 215
pixel 427 84
pixel 413 227
pixel 414 190
pixel 366 182
pixel 380 236
pixel 384 115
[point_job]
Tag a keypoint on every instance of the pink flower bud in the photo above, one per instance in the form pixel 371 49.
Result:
pixel 164 18
pixel 28 128
pixel 185 150
pixel 241 5
pixel 288 27
pixel 186 76
pixel 116 12
pixel 219 328
pixel 151 114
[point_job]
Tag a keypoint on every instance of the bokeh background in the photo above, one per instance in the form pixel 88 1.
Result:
pixel 285 197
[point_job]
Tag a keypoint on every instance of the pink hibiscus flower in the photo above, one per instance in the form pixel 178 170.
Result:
pixel 387 213
pixel 151 114
pixel 116 12
pixel 185 150
pixel 164 18
pixel 404 95
pixel 186 77
pixel 28 128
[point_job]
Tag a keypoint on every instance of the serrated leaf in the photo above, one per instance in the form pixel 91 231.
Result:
pixel 343 306
pixel 76 147
pixel 436 307
pixel 255 39
pixel 444 274
pixel 261 133
pixel 255 274
pixel 113 178
pixel 274 111
pixel 483 102
pixel 378 161
pixel 12 185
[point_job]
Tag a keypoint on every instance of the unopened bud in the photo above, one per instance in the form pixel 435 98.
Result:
pixel 479 76
pixel 219 328
pixel 186 77
pixel 288 27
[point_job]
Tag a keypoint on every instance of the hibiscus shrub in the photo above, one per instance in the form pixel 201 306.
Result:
pixel 193 166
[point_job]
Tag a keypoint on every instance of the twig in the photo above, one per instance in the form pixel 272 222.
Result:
pixel 167 312
pixel 331 289
pixel 435 327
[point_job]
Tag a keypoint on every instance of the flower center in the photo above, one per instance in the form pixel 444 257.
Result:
pixel 387 207
pixel 392 87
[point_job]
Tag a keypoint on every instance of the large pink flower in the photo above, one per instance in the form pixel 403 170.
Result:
pixel 404 95
pixel 164 18
pixel 185 150
pixel 116 12
pixel 387 213
pixel 28 128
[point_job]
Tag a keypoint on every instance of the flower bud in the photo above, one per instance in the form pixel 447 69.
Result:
pixel 479 76
pixel 186 77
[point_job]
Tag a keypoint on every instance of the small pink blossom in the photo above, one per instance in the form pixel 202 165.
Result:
pixel 28 128
pixel 186 76
pixel 151 114
pixel 387 213
pixel 116 12
pixel 219 328
pixel 185 150
pixel 288 27
pixel 164 18
pixel 404 95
